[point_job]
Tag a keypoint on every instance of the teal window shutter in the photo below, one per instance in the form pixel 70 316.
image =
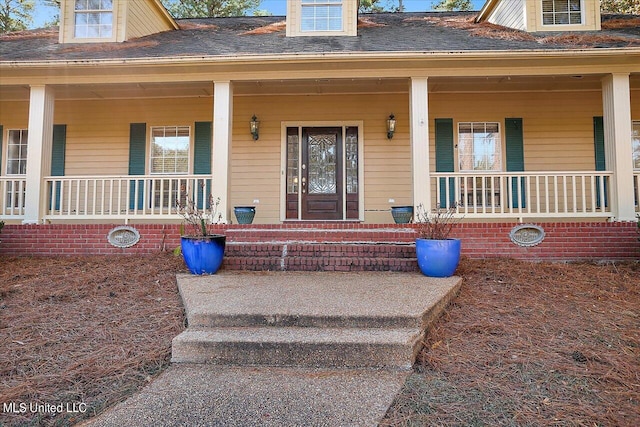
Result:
pixel 202 157
pixel 515 158
pixel 137 156
pixel 599 153
pixel 445 159
pixel 58 149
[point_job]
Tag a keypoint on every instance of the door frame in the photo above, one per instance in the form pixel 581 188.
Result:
pixel 283 164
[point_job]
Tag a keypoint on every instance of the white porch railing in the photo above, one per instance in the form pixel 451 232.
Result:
pixel 122 197
pixel 524 194
pixel 12 197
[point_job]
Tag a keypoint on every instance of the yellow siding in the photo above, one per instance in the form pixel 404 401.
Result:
pixel 13 115
pixel 558 126
pixel 98 131
pixel 143 18
pixel 131 18
pixel 635 104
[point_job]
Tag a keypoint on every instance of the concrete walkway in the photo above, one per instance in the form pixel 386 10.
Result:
pixel 290 384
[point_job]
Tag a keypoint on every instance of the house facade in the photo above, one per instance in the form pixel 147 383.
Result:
pixel 322 117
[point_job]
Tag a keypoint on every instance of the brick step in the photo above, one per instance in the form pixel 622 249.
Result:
pixel 324 233
pixel 313 256
pixel 299 347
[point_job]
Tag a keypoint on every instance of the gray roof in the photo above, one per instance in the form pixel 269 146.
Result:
pixel 397 32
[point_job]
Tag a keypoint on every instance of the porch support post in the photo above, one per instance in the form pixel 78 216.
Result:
pixel 40 141
pixel 222 133
pixel 616 99
pixel 419 135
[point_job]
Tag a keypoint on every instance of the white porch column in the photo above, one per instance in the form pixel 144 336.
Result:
pixel 222 133
pixel 419 134
pixel 616 100
pixel 39 143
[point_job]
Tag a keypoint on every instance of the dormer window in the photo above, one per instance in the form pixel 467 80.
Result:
pixel 562 12
pixel 322 18
pixel 321 15
pixel 93 19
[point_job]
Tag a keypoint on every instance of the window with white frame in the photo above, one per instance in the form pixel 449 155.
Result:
pixel 17 152
pixel 169 155
pixel 93 19
pixel 635 145
pixel 16 165
pixel 479 147
pixel 561 12
pixel 479 152
pixel 321 15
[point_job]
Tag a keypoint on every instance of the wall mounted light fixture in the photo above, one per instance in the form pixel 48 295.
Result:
pixel 391 126
pixel 254 125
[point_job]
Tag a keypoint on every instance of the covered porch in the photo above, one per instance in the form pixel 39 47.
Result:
pixel 560 148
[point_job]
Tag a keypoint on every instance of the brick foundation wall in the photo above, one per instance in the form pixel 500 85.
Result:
pixel 342 244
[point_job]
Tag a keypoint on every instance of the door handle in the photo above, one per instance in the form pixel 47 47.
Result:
pixel 304 185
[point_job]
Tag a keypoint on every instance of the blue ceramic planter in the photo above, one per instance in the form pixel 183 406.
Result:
pixel 402 214
pixel 438 258
pixel 244 214
pixel 203 255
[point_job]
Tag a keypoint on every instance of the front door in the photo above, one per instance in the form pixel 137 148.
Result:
pixel 321 173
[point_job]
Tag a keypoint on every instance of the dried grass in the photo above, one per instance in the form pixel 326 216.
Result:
pixel 492 31
pixel 189 25
pixel 108 47
pixel 368 23
pixel 482 29
pixel 531 345
pixel 51 32
pixel 276 27
pixel 86 330
pixel 589 40
pixel 620 23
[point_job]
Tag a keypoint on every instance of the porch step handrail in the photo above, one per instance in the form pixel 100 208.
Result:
pixel 122 196
pixel 524 194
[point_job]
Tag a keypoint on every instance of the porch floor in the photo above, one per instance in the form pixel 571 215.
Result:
pixel 290 348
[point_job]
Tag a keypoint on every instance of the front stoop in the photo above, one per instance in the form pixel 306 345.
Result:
pixel 309 320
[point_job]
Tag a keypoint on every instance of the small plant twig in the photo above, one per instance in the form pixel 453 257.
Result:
pixel 437 224
pixel 196 216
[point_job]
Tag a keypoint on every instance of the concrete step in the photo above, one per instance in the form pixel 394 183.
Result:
pixel 295 319
pixel 299 347
pixel 209 319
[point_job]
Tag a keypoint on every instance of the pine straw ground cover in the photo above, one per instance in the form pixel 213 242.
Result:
pixel 85 331
pixel 524 344
pixel 531 345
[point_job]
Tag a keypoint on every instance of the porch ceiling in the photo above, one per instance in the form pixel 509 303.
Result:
pixel 198 89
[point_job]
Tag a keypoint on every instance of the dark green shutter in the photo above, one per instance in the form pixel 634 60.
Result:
pixel 58 148
pixel 202 148
pixel 515 158
pixel 601 163
pixel 137 156
pixel 444 159
pixel 202 157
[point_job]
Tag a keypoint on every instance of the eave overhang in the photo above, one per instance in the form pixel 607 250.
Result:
pixel 322 65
